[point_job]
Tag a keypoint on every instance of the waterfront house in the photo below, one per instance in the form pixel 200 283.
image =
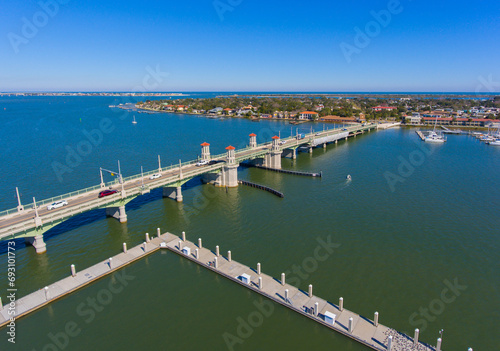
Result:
pixel 308 115
pixel 383 108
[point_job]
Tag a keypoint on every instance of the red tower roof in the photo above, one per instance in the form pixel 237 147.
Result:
pixel 205 144
pixel 276 137
pixel 230 147
pixel 253 134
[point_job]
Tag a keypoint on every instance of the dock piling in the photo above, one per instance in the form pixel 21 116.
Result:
pixel 1 306
pixel 183 236
pixel 229 256
pixel 215 262
pixel 375 319
pixel 438 345
pixel 158 232
pixel 341 304
pixel 310 290
pixel 286 295
pixel 316 308
pixel 180 245
pixel 124 247
pixel 260 283
pixel 196 253
pixel 144 246
pixel 199 243
pixel 217 251
pixel 258 268
pixel 73 270
pixel 46 292
pixel 147 238
pixel 415 338
pixel 110 260
pixel 389 343
pixel 282 278
pixel 351 322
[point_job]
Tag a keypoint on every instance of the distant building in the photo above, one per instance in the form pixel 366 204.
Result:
pixel 384 108
pixel 338 119
pixel 308 115
pixel 216 111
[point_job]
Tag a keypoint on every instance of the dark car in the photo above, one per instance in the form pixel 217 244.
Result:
pixel 107 193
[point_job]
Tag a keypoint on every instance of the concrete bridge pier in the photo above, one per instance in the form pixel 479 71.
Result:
pixel 37 242
pixel 273 158
pixel 117 212
pixel 173 192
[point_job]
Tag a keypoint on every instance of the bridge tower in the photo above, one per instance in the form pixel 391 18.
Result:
pixel 205 151
pixel 273 158
pixel 229 176
pixel 253 140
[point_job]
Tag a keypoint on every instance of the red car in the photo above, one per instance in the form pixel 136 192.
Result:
pixel 107 193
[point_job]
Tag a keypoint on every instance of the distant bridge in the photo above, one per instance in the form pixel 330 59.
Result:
pixel 32 221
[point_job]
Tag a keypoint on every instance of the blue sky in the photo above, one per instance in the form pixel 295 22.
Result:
pixel 249 45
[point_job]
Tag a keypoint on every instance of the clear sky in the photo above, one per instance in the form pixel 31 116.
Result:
pixel 250 45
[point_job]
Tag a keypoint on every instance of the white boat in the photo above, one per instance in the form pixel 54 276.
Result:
pixel 348 177
pixel 495 143
pixel 434 137
pixel 134 121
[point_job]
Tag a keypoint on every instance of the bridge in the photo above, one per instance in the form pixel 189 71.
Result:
pixel 32 221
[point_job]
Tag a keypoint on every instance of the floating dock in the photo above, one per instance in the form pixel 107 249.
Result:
pixel 300 173
pixel 334 316
pixel 420 134
pixel 262 187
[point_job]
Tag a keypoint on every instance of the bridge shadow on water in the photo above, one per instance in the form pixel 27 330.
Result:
pixel 96 215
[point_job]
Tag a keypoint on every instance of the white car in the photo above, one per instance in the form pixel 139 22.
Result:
pixel 155 176
pixel 57 204
pixel 202 163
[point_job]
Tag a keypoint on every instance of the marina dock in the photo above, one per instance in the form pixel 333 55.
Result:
pixel 334 316
pixel 420 134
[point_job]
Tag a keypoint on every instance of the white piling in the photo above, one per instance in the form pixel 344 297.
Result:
pixel 46 292
pixel 147 238
pixel 258 268
pixel 282 278
pixel 110 261
pixel 438 345
pixel 144 246
pixel 1 306
pixel 215 262
pixel 316 308
pixel 196 253
pixel 260 283
pixel 199 243
pixel 183 236
pixel 375 319
pixel 415 338
pixel 310 290
pixel 286 295
pixel 341 304
pixel 229 256
pixel 389 343
pixel 217 251
pixel 351 322
pixel 125 247
pixel 158 232
pixel 470 349
pixel 73 270
pixel 180 245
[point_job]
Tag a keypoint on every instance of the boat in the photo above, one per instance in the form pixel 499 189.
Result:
pixel 495 142
pixel 434 137
pixel 349 177
pixel 134 121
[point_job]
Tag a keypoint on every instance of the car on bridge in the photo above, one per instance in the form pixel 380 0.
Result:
pixel 155 176
pixel 202 163
pixel 107 192
pixel 57 204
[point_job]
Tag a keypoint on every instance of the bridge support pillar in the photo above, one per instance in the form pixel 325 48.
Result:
pixel 294 154
pixel 38 243
pixel 310 150
pixel 173 193
pixel 324 145
pixel 118 213
pixel 229 176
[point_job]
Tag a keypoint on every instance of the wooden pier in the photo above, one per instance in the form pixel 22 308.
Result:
pixel 421 135
pixel 367 332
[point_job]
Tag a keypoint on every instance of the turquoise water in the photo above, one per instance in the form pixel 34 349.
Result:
pixel 397 247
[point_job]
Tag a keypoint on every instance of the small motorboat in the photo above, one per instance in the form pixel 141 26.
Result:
pixel 349 177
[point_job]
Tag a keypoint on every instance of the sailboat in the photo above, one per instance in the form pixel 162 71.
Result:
pixel 134 121
pixel 434 137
